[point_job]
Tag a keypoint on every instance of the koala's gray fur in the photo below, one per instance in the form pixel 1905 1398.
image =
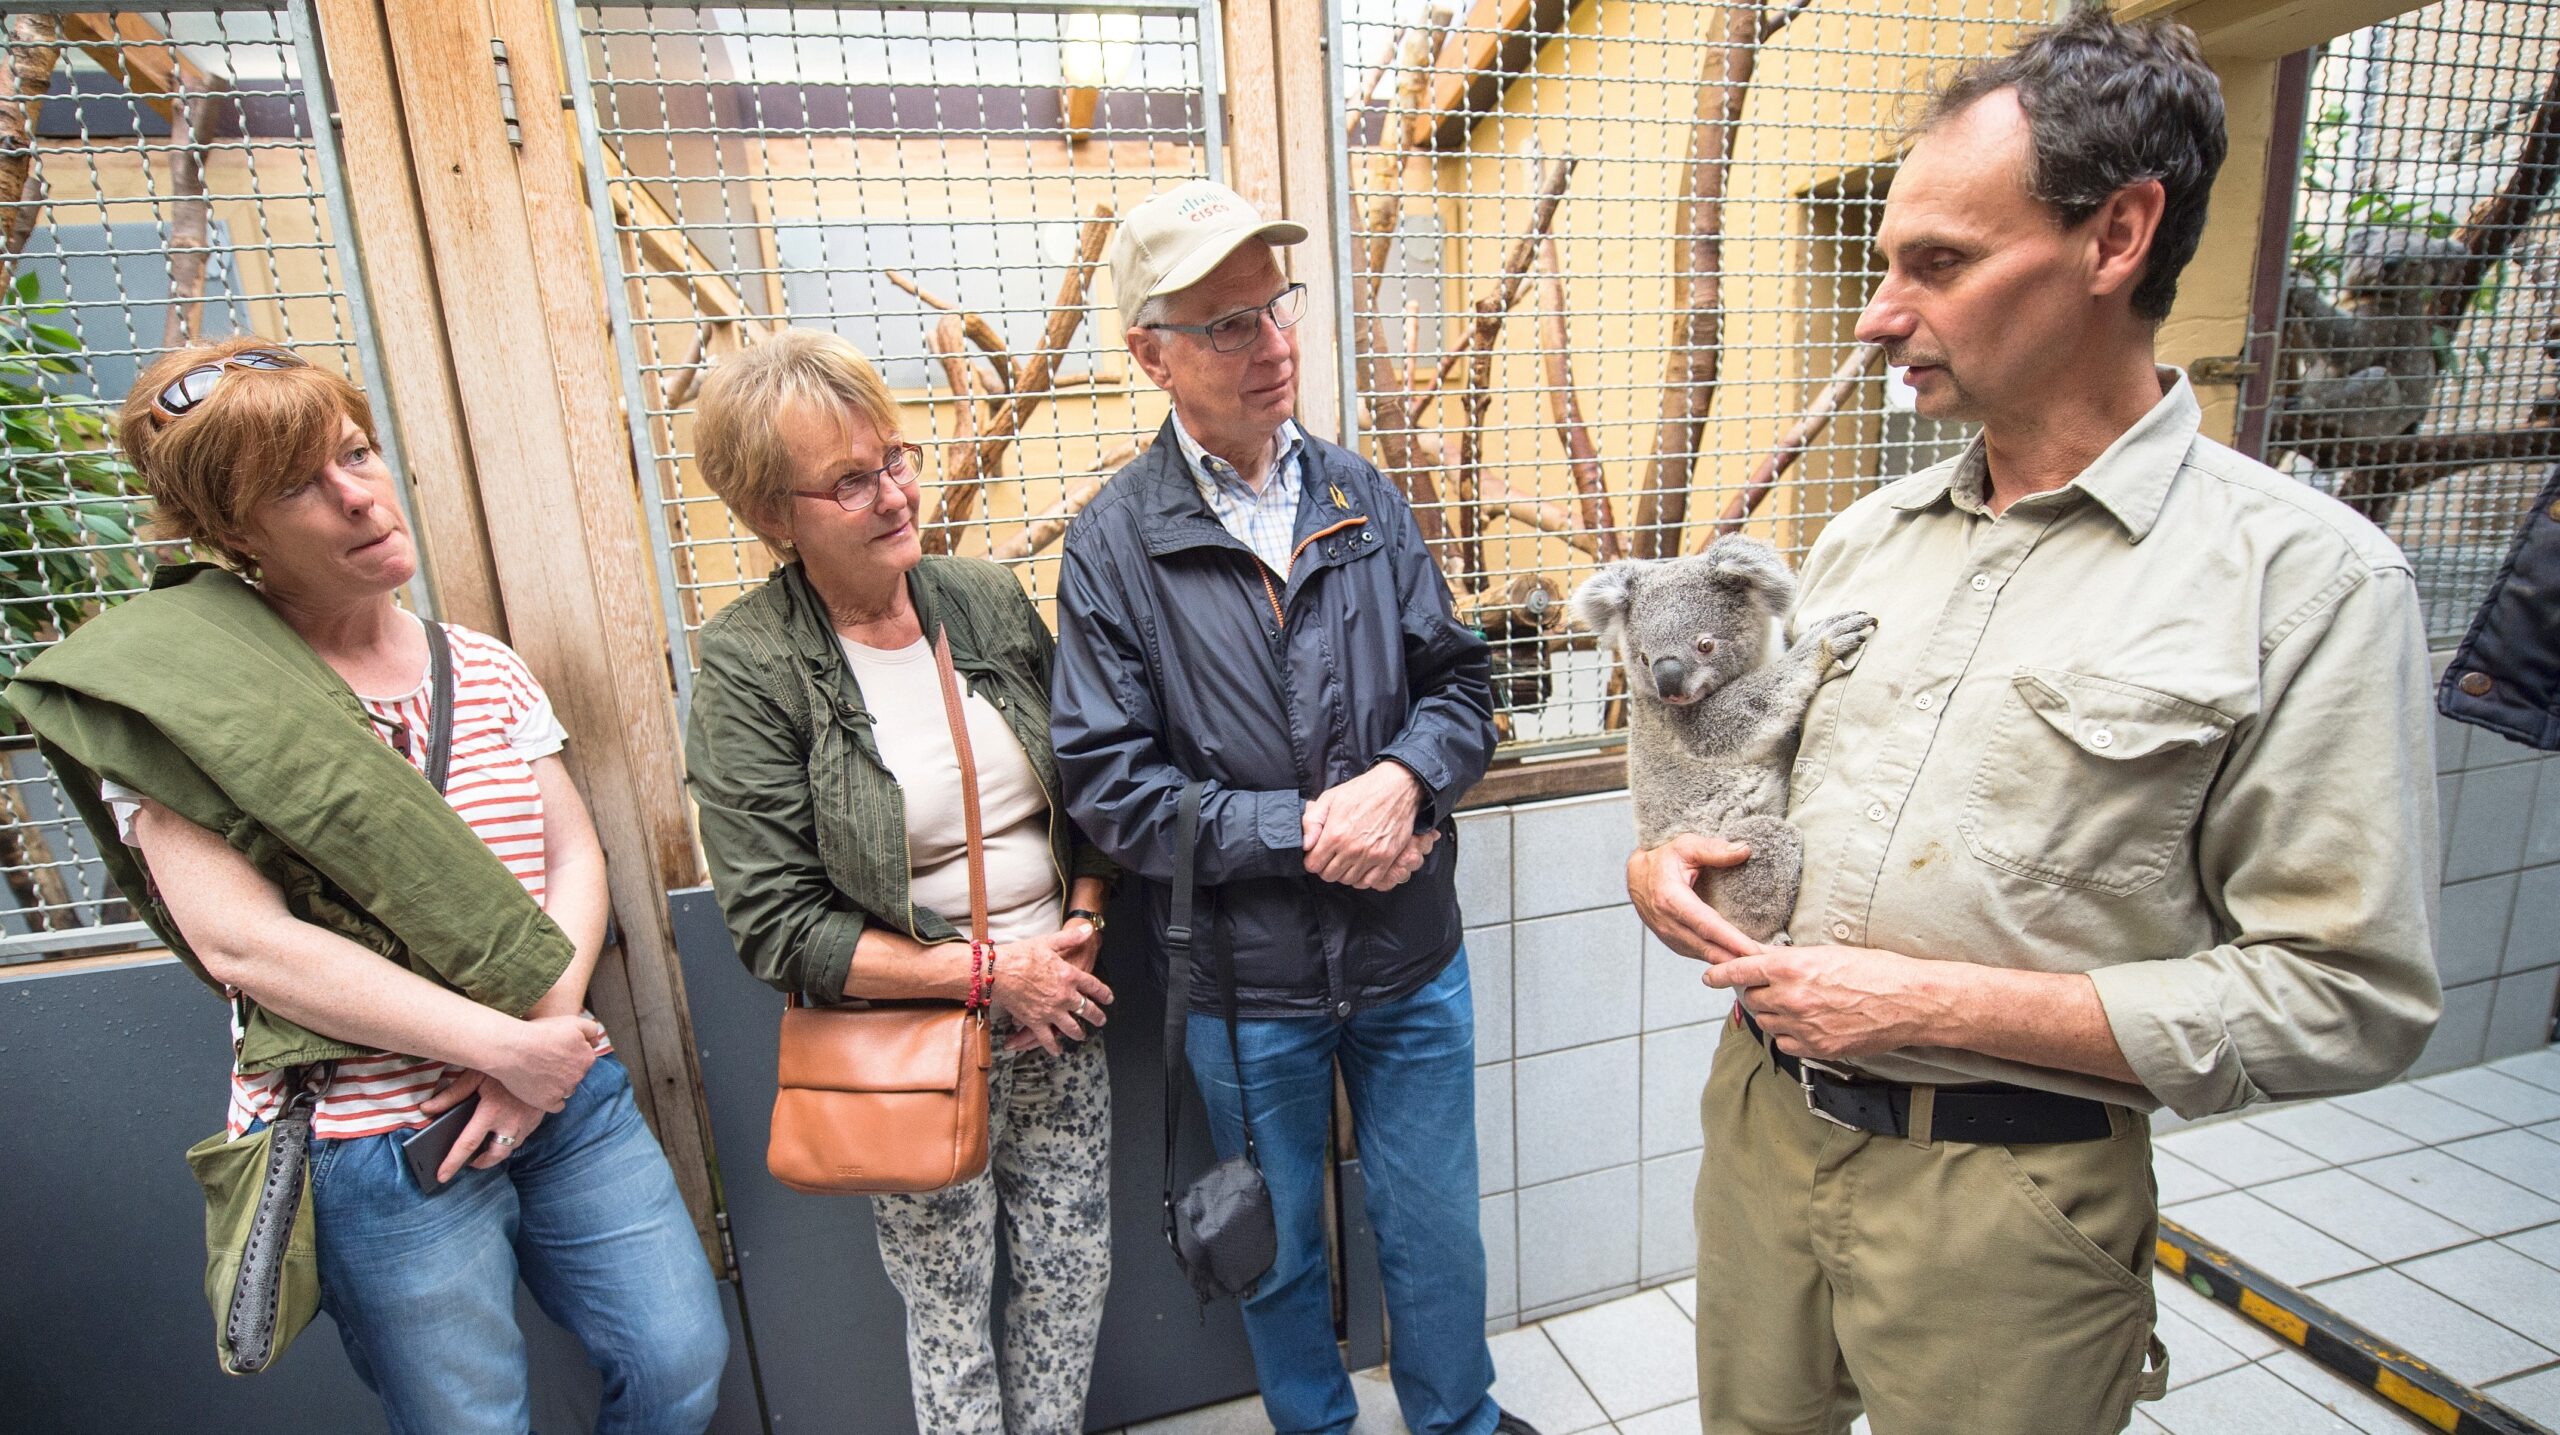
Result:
pixel 1715 710
pixel 2367 366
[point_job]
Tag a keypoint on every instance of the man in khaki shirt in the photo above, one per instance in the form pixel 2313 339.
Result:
pixel 2128 802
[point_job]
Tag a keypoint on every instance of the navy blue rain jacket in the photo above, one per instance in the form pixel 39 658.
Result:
pixel 2506 675
pixel 1173 664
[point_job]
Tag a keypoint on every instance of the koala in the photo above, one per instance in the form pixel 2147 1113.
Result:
pixel 2366 367
pixel 1715 708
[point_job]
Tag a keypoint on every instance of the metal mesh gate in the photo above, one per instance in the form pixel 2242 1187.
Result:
pixel 938 183
pixel 2415 361
pixel 1606 261
pixel 174 188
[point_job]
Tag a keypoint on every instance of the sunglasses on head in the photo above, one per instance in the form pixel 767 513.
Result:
pixel 189 390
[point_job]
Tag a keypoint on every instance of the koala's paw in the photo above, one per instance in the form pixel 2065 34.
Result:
pixel 1842 637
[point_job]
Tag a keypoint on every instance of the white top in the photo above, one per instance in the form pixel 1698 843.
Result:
pixel 904 693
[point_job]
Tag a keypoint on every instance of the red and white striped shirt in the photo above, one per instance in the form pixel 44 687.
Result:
pixel 502 723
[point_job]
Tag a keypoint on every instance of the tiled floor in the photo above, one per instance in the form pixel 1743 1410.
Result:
pixel 2427 1211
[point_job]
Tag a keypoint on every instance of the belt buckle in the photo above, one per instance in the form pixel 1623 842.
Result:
pixel 1805 1068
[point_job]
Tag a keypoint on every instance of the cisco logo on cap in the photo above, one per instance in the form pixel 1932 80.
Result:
pixel 1201 208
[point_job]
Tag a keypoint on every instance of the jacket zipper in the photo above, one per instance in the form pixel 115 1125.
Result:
pixel 1272 593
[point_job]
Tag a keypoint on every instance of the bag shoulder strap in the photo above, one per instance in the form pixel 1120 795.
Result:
pixel 1179 935
pixel 957 713
pixel 440 704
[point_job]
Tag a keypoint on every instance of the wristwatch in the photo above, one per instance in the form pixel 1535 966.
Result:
pixel 1089 915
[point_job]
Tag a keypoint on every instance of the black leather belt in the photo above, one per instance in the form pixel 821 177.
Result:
pixel 1993 1113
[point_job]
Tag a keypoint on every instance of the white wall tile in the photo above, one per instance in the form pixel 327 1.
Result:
pixel 1484 866
pixel 1578 1110
pixel 1569 855
pixel 1489 977
pixel 1500 1221
pixel 2489 822
pixel 2461 1033
pixel 1675 1071
pixel 1670 1226
pixel 2520 1013
pixel 1575 979
pixel 2533 928
pixel 2471 928
pixel 1494 1138
pixel 1578 1238
pixel 1674 992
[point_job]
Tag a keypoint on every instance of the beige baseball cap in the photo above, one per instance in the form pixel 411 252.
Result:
pixel 1172 240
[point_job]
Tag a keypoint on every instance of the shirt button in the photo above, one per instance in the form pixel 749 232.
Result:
pixel 1875 812
pixel 1924 702
pixel 2102 739
pixel 1839 931
pixel 1342 1010
pixel 1980 582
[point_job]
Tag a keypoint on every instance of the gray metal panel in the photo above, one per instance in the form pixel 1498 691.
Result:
pixel 112 1074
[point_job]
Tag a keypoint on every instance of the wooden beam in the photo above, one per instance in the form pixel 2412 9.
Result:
pixel 1253 105
pixel 1306 185
pixel 663 243
pixel 520 298
pixel 139 54
pixel 408 321
pixel 1482 54
pixel 2265 29
pixel 1512 782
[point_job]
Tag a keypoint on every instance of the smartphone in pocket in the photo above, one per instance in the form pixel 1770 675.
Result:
pixel 425 1147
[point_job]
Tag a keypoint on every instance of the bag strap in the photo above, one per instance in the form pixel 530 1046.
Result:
pixel 440 705
pixel 957 714
pixel 1178 934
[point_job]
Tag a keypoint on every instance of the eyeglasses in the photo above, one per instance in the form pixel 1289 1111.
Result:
pixel 196 385
pixel 857 491
pixel 1245 325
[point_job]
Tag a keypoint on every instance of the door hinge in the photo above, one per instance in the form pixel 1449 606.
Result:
pixel 506 94
pixel 728 1249
pixel 2221 369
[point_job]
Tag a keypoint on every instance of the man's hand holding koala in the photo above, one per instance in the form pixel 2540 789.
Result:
pixel 1360 833
pixel 1838 1003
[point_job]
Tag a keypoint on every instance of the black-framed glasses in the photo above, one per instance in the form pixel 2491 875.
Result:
pixel 192 388
pixel 857 491
pixel 1236 330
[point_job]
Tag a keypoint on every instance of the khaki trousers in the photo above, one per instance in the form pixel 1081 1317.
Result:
pixel 1945 1288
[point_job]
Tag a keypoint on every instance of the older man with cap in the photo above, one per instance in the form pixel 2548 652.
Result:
pixel 1250 610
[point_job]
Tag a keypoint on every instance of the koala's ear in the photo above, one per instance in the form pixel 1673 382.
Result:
pixel 1750 567
pixel 1600 604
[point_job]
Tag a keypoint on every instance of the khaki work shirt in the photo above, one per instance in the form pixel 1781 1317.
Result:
pixel 2167 725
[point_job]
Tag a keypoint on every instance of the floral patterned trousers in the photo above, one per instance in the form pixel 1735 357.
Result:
pixel 1049 1175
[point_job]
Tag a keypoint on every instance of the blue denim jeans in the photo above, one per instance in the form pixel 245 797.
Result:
pixel 423 1288
pixel 1410 1069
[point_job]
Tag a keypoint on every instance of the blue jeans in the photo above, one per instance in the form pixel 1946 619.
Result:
pixel 1410 1069
pixel 423 1288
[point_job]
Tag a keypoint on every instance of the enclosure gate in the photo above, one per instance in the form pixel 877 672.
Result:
pixel 936 182
pixel 2412 326
pixel 176 188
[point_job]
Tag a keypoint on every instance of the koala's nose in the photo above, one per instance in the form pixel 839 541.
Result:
pixel 1669 677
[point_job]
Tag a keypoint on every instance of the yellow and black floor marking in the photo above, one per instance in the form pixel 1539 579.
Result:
pixel 2421 1391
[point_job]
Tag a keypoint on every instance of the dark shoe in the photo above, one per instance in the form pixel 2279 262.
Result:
pixel 1511 1424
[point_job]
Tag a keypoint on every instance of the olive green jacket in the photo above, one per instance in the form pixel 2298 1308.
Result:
pixel 804 826
pixel 199 697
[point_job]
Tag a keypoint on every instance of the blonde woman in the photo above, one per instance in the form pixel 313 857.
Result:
pixel 821 759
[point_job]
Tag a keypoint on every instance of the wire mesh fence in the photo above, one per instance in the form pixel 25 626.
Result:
pixel 160 182
pixel 936 183
pixel 1607 263
pixel 2416 359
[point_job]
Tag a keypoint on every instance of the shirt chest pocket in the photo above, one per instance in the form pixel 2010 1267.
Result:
pixel 2090 782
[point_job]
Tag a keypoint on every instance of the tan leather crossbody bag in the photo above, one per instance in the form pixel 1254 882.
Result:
pixel 891 1096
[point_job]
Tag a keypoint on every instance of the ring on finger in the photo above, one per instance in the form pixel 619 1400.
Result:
pixel 1078 1013
pixel 504 1139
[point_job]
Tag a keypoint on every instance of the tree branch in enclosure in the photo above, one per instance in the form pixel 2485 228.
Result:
pixel 1050 524
pixel 1477 401
pixel 190 213
pixel 1778 19
pixel 972 462
pixel 973 324
pixel 2494 223
pixel 1380 377
pixel 1697 258
pixel 1505 291
pixel 950 345
pixel 1817 417
pixel 35 46
pixel 1581 454
pixel 1547 518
